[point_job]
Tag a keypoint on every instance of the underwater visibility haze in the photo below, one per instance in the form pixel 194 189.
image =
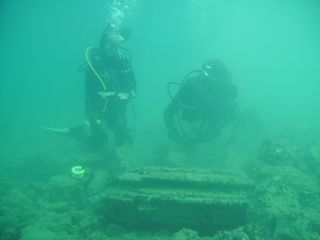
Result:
pixel 160 119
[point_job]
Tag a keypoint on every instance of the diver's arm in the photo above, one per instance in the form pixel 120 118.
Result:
pixel 132 82
pixel 169 117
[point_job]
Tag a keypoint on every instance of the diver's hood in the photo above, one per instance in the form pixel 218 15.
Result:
pixel 113 35
pixel 216 69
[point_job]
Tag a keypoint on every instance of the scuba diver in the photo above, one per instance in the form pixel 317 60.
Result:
pixel 203 105
pixel 109 86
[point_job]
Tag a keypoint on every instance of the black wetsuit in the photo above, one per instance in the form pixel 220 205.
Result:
pixel 118 77
pixel 204 102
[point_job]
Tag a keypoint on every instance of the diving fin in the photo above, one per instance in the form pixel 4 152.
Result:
pixel 56 130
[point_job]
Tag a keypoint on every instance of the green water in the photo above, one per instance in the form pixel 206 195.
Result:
pixel 272 147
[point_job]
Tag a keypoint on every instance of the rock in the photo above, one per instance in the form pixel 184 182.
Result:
pixel 172 198
pixel 38 233
pixel 185 234
pixel 98 236
pixel 235 234
pixel 283 203
pixel 114 230
pixel 16 210
pixel 65 188
pixel 98 183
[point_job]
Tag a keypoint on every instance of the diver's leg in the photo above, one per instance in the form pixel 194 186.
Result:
pixel 169 116
pixel 97 138
pixel 116 121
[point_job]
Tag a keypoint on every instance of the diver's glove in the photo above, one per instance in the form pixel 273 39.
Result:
pixel 123 96
pixel 120 95
pixel 104 94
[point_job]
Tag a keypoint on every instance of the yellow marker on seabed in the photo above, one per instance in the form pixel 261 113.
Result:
pixel 78 172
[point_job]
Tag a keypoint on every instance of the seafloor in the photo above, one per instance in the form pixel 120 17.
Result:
pixel 41 200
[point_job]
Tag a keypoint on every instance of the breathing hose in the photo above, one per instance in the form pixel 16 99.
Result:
pixel 98 76
pixel 94 70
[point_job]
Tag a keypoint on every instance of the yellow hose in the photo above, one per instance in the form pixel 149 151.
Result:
pixel 93 69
